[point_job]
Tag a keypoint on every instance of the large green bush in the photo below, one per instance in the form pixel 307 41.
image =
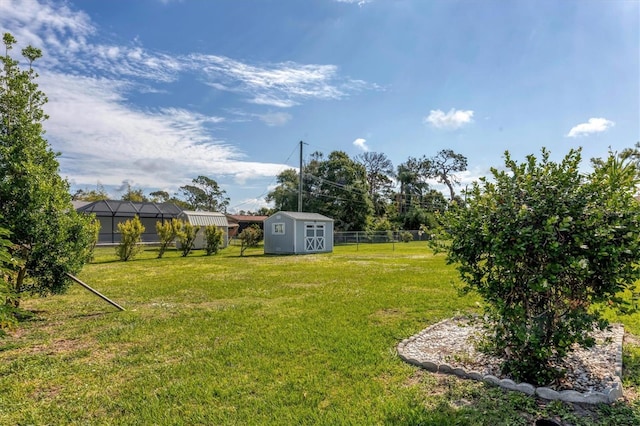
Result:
pixel 543 244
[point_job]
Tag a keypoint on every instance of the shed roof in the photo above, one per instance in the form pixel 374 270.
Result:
pixel 200 218
pixel 305 216
pixel 130 208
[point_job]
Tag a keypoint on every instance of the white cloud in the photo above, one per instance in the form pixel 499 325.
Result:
pixel 358 2
pixel 41 23
pixel 68 39
pixel 273 101
pixel 64 35
pixel 249 204
pixel 361 143
pixel 281 85
pixel 274 119
pixel 104 139
pixel 453 119
pixel 594 125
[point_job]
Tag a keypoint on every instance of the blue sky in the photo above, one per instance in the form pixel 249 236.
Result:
pixel 156 92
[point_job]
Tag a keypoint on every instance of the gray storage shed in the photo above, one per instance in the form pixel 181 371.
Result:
pixel 298 233
pixel 203 219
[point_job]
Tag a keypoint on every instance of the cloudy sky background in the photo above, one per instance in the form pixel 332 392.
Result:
pixel 154 93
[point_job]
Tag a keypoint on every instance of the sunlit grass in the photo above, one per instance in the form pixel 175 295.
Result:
pixel 249 340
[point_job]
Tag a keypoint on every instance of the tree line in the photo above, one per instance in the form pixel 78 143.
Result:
pixel 361 193
pixel 368 193
pixel 203 193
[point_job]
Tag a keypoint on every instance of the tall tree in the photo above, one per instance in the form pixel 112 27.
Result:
pixel 412 176
pixel 49 237
pixel 379 169
pixel 285 195
pixel 265 211
pixel 340 191
pixel 336 187
pixel 86 194
pixel 444 166
pixel 311 185
pixel 134 194
pixel 205 194
pixel 159 196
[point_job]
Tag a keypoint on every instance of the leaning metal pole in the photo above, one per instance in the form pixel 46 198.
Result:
pixel 97 293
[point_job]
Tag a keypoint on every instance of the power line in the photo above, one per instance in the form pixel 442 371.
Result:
pixel 346 187
pixel 265 192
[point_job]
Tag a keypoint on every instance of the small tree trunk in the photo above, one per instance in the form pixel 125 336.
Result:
pixel 15 290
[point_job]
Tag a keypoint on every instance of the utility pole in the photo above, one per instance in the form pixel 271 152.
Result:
pixel 300 181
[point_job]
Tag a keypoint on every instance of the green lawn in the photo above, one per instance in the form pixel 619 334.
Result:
pixel 258 340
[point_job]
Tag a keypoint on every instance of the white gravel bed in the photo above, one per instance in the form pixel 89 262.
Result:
pixel 592 375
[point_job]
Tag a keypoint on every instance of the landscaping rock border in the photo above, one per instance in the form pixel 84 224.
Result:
pixel 416 351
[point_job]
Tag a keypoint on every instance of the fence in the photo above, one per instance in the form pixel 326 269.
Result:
pixel 364 237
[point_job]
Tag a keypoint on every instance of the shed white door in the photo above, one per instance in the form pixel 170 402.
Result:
pixel 314 237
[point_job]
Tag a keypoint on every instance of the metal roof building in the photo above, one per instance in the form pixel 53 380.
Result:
pixel 112 212
pixel 203 219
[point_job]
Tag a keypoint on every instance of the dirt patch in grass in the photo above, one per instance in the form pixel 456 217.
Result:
pixel 387 316
pixel 60 346
pixel 46 393
pixel 304 285
pixel 388 313
pixel 415 378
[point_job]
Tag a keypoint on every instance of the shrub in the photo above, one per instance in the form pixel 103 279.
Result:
pixel 187 236
pixel 542 244
pixel 93 229
pixel 249 237
pixel 380 229
pixel 213 239
pixel 167 233
pixel 406 236
pixel 131 235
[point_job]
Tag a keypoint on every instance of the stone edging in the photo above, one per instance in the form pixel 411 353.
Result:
pixel 609 396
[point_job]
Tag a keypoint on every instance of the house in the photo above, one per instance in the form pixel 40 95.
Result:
pixel 298 233
pixel 237 223
pixel 202 220
pixel 112 212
